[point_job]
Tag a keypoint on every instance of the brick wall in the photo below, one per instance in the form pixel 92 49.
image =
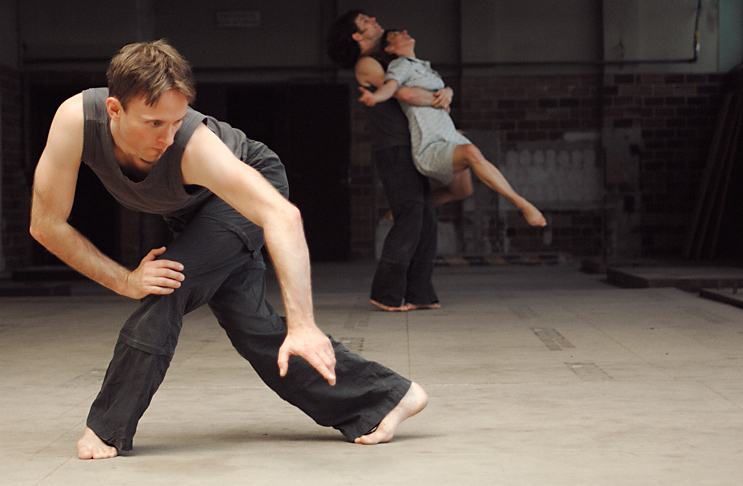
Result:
pixel 676 114
pixel 525 110
pixel 673 113
pixel 16 244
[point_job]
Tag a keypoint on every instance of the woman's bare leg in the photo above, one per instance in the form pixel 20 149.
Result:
pixel 470 156
pixel 459 188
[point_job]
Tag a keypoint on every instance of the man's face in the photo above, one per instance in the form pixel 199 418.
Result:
pixel 369 33
pixel 143 132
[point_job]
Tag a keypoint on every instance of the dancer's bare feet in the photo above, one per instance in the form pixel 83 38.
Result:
pixel 402 308
pixel 413 402
pixel 533 216
pixel 435 305
pixel 90 446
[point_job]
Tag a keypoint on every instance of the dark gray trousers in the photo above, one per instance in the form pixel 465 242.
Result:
pixel 405 269
pixel 220 251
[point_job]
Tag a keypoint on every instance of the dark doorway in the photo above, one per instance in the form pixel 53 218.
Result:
pixel 94 211
pixel 308 126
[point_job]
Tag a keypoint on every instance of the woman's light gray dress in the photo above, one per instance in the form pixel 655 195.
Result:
pixel 433 134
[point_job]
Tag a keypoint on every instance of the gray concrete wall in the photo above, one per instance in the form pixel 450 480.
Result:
pixel 273 34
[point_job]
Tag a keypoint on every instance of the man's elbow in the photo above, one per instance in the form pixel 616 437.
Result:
pixel 292 215
pixel 36 231
pixel 283 215
pixel 39 231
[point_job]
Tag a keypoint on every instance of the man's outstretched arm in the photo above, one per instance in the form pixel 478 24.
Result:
pixel 209 163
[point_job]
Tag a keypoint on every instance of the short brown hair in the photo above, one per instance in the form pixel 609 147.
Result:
pixel 342 49
pixel 149 69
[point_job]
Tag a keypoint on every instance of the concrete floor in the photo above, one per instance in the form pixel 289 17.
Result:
pixel 537 375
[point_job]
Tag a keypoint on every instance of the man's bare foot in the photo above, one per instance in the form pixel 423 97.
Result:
pixel 402 308
pixel 533 216
pixel 435 305
pixel 90 446
pixel 413 402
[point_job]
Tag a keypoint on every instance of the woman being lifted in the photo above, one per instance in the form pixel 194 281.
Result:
pixel 439 151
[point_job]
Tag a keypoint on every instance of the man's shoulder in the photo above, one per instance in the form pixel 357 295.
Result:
pixel 75 101
pixel 367 70
pixel 367 61
pixel 71 110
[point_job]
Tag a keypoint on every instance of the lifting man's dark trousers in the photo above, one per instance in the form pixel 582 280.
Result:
pixel 406 265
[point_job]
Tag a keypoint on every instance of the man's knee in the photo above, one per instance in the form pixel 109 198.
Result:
pixel 155 326
pixel 471 152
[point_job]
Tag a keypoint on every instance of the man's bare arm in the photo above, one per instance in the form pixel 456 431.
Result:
pixel 55 181
pixel 369 72
pixel 209 163
pixel 422 97
pixel 383 93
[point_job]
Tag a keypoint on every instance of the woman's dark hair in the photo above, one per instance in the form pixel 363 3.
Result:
pixel 381 55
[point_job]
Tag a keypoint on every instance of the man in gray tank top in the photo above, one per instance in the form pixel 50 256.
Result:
pixel 403 278
pixel 223 195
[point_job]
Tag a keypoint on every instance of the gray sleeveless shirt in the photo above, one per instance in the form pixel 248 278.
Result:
pixel 162 191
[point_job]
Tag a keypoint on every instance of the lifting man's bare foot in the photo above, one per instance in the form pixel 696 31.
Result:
pixel 389 308
pixel 405 307
pixel 435 305
pixel 413 402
